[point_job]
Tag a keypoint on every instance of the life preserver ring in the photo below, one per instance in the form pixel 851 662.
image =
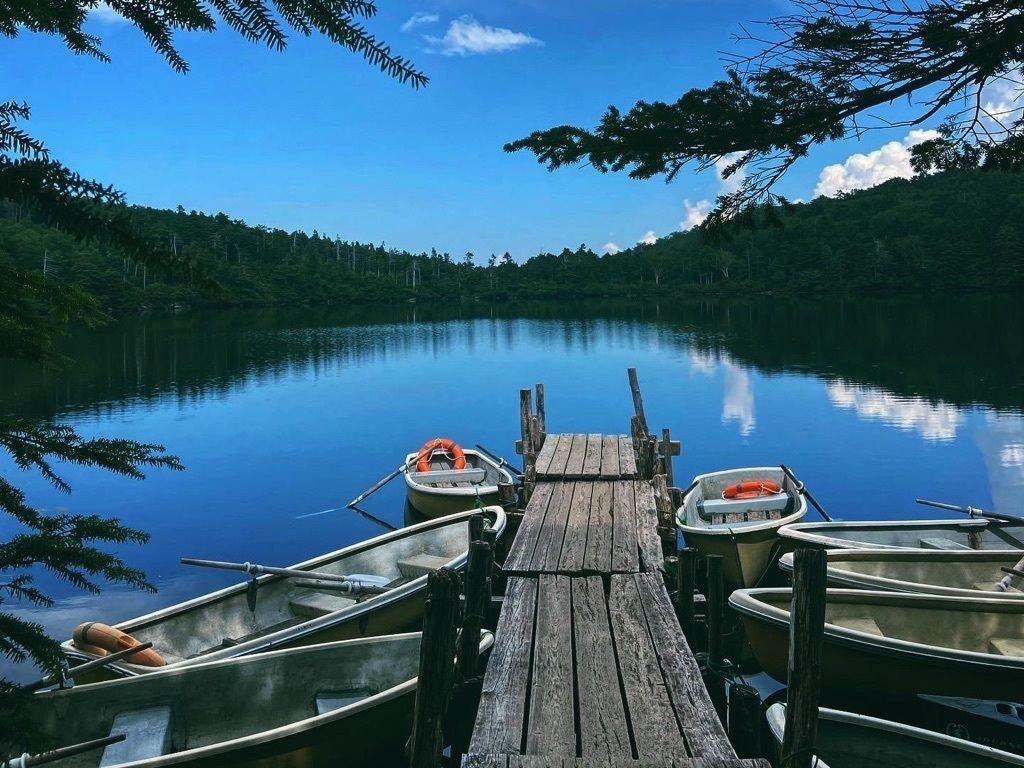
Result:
pixel 450 447
pixel 92 635
pixel 752 489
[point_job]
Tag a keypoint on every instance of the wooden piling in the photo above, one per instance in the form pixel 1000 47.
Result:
pixel 686 559
pixel 507 495
pixel 478 571
pixel 714 618
pixel 668 450
pixel 638 400
pixel 437 668
pixel 806 641
pixel 542 419
pixel 476 527
pixel 525 416
pixel 666 515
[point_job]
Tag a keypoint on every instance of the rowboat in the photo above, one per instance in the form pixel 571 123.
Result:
pixel 970 533
pixel 222 625
pixel 893 643
pixel 435 487
pixel 848 740
pixel 741 530
pixel 959 573
pixel 297 707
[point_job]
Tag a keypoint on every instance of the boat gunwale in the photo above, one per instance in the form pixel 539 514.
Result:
pixel 870 582
pixel 804 532
pixel 476 490
pixel 747 603
pixel 890 726
pixel 731 529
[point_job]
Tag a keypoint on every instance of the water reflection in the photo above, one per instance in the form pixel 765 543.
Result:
pixel 738 402
pixel 1001 440
pixel 932 421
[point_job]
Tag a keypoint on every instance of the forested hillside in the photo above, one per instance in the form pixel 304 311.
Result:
pixel 953 231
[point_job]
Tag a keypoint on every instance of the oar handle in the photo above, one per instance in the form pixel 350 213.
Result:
pixel 972 511
pixel 500 459
pixel 801 488
pixel 1012 571
pixel 88 666
pixel 347 588
pixel 256 569
pixel 26 760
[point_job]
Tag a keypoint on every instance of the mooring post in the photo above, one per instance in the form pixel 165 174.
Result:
pixel 668 450
pixel 437 668
pixel 686 559
pixel 507 495
pixel 542 419
pixel 666 515
pixel 478 571
pixel 525 415
pixel 806 642
pixel 638 400
pixel 714 618
pixel 476 527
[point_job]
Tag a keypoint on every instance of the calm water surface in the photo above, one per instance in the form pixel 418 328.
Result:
pixel 279 415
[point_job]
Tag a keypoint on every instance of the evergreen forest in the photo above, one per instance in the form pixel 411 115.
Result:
pixel 957 230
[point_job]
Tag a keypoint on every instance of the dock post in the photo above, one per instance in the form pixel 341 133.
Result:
pixel 478 571
pixel 715 616
pixel 437 669
pixel 806 643
pixel 685 584
pixel 638 400
pixel 666 516
pixel 529 451
pixel 507 495
pixel 542 419
pixel 476 527
pixel 668 450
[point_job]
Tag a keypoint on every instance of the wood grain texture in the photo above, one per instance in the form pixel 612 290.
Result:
pixel 546 454
pixel 577 454
pixel 651 558
pixel 704 734
pixel 598 557
pixel 609 456
pixel 485 761
pixel 500 716
pixel 625 550
pixel 592 458
pixel 549 546
pixel 651 714
pixel 603 732
pixel 552 728
pixel 561 446
pixel 574 545
pixel 627 458
pixel 521 554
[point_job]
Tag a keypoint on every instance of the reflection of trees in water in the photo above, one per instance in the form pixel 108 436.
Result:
pixel 960 351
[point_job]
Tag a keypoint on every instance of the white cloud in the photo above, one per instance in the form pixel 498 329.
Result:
pixel 695 214
pixel 104 13
pixel 649 238
pixel 1002 100
pixel 466 35
pixel 861 171
pixel 735 181
pixel 420 18
pixel 611 248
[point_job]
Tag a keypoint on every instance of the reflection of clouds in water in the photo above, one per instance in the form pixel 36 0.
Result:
pixel 702 363
pixel 1001 440
pixel 738 404
pixel 938 421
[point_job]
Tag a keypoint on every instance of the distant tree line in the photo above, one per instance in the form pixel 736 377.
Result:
pixel 951 231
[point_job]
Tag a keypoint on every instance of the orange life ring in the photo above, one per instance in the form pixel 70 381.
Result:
pixel 450 447
pixel 752 489
pixel 92 635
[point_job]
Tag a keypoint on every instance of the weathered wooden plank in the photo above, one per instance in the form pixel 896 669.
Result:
pixel 700 726
pixel 485 761
pixel 552 727
pixel 647 527
pixel 521 554
pixel 574 545
pixel 653 719
pixel 609 456
pixel 592 459
pixel 577 454
pixel 561 455
pixel 549 545
pixel 598 557
pixel 603 730
pixel 627 459
pixel 539 761
pixel 625 550
pixel 502 711
pixel 546 454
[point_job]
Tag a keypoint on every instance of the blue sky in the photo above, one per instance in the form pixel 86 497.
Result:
pixel 313 138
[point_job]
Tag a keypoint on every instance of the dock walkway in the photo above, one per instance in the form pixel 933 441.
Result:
pixel 589 666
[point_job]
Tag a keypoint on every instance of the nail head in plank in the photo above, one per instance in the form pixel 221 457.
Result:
pixel 577 454
pixel 609 456
pixel 651 558
pixel 603 731
pixel 625 550
pixel 627 458
pixel 552 727
pixel 655 728
pixel 574 546
pixel 500 716
pixel 598 557
pixel 521 554
pixel 701 727
pixel 592 459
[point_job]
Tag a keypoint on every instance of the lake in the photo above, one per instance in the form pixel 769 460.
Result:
pixel 283 415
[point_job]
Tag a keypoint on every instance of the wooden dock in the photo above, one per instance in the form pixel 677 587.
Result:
pixel 589 666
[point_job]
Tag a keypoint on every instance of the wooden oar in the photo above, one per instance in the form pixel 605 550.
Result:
pixel 88 666
pixel 256 569
pixel 499 459
pixel 377 486
pixel 801 488
pixel 973 511
pixel 347 588
pixel 27 760
pixel 1004 583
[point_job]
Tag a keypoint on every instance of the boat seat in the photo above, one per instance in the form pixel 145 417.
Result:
pixel 749 516
pixel 148 734
pixel 1006 646
pixel 420 565
pixel 862 624
pixel 938 542
pixel 328 701
pixel 439 476
pixel 311 604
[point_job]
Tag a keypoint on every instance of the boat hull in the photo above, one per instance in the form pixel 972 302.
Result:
pixel 433 501
pixel 434 505
pixel 745 555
